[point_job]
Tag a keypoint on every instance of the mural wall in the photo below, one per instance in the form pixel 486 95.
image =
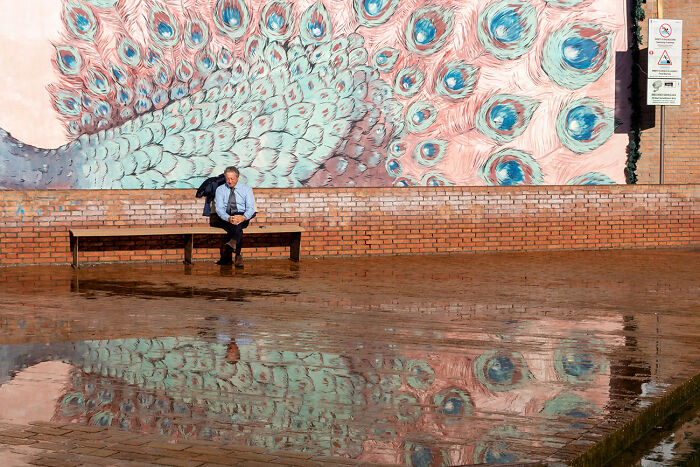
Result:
pixel 164 93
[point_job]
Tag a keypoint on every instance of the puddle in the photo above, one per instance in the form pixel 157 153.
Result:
pixel 443 360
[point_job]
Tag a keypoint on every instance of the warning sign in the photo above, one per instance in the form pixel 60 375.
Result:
pixel 665 60
pixel 665 48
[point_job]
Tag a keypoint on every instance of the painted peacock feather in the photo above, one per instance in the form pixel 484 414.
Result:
pixel 164 93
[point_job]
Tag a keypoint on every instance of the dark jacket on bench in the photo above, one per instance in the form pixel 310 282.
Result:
pixel 208 189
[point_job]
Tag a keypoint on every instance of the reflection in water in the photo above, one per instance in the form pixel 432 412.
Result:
pixel 390 404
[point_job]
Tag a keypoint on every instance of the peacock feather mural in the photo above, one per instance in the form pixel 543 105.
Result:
pixel 330 93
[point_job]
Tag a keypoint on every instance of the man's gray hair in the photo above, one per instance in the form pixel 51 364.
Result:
pixel 231 169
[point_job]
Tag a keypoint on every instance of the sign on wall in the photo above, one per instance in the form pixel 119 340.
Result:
pixel 665 48
pixel 664 92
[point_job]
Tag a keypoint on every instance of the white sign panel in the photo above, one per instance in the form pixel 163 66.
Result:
pixel 665 48
pixel 663 91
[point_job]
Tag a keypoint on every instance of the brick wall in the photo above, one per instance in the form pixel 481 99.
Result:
pixel 34 224
pixel 682 134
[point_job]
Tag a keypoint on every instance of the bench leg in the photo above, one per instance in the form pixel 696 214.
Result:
pixel 74 250
pixel 189 244
pixel 295 246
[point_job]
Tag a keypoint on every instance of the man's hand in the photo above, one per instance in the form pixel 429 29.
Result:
pixel 237 219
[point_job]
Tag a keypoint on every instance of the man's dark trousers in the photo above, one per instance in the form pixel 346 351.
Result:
pixel 233 232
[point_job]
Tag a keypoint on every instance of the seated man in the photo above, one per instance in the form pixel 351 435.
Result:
pixel 235 206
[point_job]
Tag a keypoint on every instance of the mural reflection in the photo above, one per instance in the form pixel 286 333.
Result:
pixel 502 398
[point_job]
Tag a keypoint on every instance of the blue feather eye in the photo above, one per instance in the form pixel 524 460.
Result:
pixel 385 58
pixel 68 60
pixel 315 26
pixel 102 109
pixel 511 167
pixel 67 103
pixel 153 56
pixel 97 82
pixel 118 74
pixel 427 29
pixel 429 153
pixel 231 17
pixel 254 47
pixel 196 34
pixel 584 125
pixel 125 96
pixel 129 52
pixel 393 167
pixel 80 20
pixel 277 21
pixel 403 182
pixel 408 82
pixel 576 55
pixel 456 79
pixel 507 28
pixel 420 116
pixel 184 71
pixel 162 75
pixel 504 117
pixel 563 3
pixel 501 370
pixel 160 98
pixel 163 27
pixel 397 148
pixel 452 403
pixel 579 52
pixel 591 178
pixel 435 179
pixel 205 62
pixel 224 59
pixel 372 13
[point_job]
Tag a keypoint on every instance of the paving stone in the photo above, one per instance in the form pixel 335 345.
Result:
pixel 335 460
pixel 218 459
pixel 55 461
pixel 16 441
pixel 50 446
pixel 295 462
pixel 89 443
pixel 133 456
pixel 47 430
pixel 176 462
pixel 298 455
pixel 53 439
pixel 82 428
pixel 16 433
pixel 103 452
pixel 251 463
pixel 82 450
pixel 168 446
pixel 212 450
pixel 253 456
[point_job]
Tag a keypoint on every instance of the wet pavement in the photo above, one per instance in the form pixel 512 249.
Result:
pixel 423 360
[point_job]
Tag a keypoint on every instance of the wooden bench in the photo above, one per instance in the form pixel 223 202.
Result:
pixel 290 233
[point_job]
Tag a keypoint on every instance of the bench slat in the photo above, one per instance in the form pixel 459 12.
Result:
pixel 201 230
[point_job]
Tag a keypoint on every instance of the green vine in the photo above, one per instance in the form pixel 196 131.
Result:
pixel 633 152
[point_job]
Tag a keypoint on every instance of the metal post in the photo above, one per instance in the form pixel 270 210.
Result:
pixel 660 15
pixel 661 149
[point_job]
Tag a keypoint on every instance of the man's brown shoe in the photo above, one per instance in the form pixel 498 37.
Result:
pixel 239 261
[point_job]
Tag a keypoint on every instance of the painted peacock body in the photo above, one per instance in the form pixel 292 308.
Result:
pixel 346 93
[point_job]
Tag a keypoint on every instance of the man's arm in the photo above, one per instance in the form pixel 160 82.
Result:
pixel 249 204
pixel 221 202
